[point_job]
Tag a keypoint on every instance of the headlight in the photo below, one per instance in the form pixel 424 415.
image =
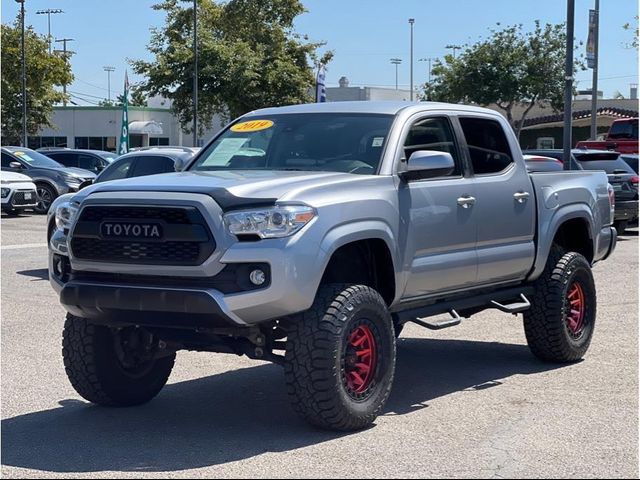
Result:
pixel 71 179
pixel 275 222
pixel 65 213
pixel 5 192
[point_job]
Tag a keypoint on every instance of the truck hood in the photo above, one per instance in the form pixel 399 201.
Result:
pixel 230 189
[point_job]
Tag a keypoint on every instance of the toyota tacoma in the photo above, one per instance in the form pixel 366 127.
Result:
pixel 309 235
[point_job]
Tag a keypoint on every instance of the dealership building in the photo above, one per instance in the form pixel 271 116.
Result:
pixel 99 127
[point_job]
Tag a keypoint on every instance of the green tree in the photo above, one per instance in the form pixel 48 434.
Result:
pixel 634 40
pixel 512 69
pixel 44 72
pixel 248 57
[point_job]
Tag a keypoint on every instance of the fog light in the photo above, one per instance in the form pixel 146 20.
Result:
pixel 5 192
pixel 257 277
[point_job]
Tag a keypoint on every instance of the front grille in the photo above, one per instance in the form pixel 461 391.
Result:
pixel 19 198
pixel 187 239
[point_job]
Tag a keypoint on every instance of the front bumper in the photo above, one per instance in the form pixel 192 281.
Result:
pixel 291 290
pixel 17 197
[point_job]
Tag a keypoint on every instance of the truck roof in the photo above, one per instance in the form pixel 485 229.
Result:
pixel 374 107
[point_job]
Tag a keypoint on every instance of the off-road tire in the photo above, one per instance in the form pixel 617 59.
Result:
pixel 315 361
pixel 546 324
pixel 95 372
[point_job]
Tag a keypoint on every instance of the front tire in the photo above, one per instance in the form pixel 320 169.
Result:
pixel 340 358
pixel 46 196
pixel 560 324
pixel 103 370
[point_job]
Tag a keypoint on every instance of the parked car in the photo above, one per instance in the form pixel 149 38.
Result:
pixel 93 160
pixel 622 138
pixel 18 193
pixel 51 178
pixel 621 176
pixel 538 163
pixel 135 164
pixel 329 225
pixel 631 160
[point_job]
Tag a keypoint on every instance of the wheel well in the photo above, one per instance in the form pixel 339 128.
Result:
pixel 365 262
pixel 574 236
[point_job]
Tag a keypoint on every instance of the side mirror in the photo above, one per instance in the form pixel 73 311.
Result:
pixel 428 164
pixel 16 165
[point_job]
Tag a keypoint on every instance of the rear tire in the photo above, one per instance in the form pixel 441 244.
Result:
pixel 560 324
pixel 95 367
pixel 340 358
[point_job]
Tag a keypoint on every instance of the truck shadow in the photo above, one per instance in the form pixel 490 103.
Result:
pixel 236 415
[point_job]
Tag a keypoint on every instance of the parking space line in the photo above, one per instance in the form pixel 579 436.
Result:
pixel 25 245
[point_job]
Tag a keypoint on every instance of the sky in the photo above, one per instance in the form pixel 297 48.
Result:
pixel 364 36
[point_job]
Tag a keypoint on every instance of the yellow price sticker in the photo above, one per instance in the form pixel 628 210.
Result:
pixel 252 126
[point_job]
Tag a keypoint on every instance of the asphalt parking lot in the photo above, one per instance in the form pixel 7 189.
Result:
pixel 469 401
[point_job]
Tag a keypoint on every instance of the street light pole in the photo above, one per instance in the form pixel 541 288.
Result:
pixel 396 62
pixel 109 70
pixel 429 59
pixel 454 48
pixel 411 22
pixel 195 73
pixel 568 85
pixel 48 12
pixel 594 94
pixel 24 78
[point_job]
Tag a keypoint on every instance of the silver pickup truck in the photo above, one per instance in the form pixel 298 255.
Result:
pixel 309 235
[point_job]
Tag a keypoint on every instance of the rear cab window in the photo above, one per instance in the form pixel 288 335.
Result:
pixel 488 146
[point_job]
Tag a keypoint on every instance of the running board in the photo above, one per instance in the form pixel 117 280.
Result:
pixel 511 300
pixel 515 307
pixel 452 322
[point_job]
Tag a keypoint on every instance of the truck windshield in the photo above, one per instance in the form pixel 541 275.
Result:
pixel 333 142
pixel 626 129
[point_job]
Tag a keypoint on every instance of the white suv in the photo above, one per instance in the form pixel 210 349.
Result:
pixel 18 193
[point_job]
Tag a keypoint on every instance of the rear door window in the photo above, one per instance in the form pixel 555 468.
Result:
pixel 488 146
pixel 116 171
pixel 152 165
pixel 66 159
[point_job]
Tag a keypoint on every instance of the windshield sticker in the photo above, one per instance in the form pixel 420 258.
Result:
pixel 228 148
pixel 252 126
pixel 377 141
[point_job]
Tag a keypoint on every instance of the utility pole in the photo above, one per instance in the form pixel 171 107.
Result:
pixel 429 59
pixel 66 54
pixel 454 48
pixel 411 22
pixel 568 85
pixel 109 70
pixel 48 12
pixel 396 62
pixel 24 79
pixel 195 73
pixel 594 94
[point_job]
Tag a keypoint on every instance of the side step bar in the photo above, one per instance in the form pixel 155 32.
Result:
pixel 503 300
pixel 452 322
pixel 515 307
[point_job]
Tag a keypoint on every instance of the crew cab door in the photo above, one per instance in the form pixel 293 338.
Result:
pixel 439 214
pixel 505 205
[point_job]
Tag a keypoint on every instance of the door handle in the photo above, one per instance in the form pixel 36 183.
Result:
pixel 466 201
pixel 521 197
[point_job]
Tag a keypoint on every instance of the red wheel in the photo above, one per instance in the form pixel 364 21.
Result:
pixel 575 310
pixel 360 360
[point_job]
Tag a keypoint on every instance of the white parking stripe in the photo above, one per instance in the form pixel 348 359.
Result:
pixel 26 245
